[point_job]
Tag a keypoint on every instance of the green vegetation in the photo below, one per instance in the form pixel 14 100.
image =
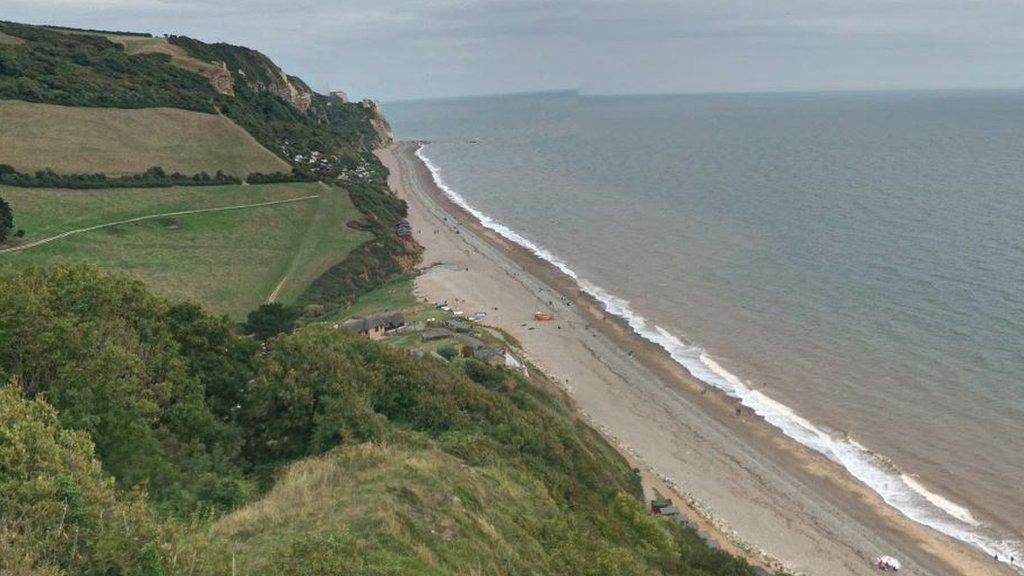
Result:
pixel 374 262
pixel 6 220
pixel 60 514
pixel 346 456
pixel 395 294
pixel 143 436
pixel 135 44
pixel 230 261
pixel 117 142
pixel 342 133
pixel 140 103
pixel 155 177
pixel 271 319
pixel 89 70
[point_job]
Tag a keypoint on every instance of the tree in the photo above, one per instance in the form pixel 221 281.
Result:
pixel 272 319
pixel 6 219
pixel 60 513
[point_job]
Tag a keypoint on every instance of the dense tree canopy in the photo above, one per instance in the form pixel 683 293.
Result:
pixel 271 319
pixel 89 70
pixel 133 418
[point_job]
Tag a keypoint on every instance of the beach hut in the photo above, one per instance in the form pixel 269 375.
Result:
pixel 375 326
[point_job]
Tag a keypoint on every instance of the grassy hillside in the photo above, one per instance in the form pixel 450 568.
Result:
pixel 117 71
pixel 57 67
pixel 132 101
pixel 393 509
pixel 150 45
pixel 115 141
pixel 318 452
pixel 230 261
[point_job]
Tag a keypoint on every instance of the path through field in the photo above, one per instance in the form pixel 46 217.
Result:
pixel 151 217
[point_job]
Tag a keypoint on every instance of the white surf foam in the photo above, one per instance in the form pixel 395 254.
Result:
pixel 901 491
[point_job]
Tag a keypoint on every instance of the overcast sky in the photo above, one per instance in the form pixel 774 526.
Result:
pixel 392 49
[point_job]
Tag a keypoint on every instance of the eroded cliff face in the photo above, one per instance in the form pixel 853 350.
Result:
pixel 275 81
pixel 379 123
pixel 221 79
pixel 293 90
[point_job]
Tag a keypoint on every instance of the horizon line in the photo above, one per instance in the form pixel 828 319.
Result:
pixel 783 92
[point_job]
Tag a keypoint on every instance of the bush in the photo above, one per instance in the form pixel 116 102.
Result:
pixel 279 177
pixel 155 177
pixel 60 515
pixel 6 220
pixel 272 319
pixel 111 358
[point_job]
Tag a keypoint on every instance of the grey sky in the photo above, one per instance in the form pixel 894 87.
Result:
pixel 391 49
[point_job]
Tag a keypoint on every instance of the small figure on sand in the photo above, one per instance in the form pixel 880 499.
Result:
pixel 739 411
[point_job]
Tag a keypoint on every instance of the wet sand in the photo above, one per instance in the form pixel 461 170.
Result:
pixel 767 495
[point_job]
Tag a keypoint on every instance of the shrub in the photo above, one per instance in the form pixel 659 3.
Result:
pixel 6 219
pixel 272 319
pixel 154 177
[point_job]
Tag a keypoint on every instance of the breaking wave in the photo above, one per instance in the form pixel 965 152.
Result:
pixel 898 489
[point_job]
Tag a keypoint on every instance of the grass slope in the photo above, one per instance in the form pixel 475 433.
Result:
pixel 327 237
pixel 396 294
pixel 150 45
pixel 227 261
pixel 312 453
pixel 396 510
pixel 123 141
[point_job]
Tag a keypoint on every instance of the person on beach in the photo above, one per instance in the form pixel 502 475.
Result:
pixel 739 411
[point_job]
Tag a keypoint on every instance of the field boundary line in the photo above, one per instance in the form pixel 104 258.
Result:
pixel 151 217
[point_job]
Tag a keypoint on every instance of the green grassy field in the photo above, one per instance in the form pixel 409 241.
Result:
pixel 122 141
pixel 229 261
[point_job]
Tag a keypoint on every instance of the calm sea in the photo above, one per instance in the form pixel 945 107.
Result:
pixel 851 266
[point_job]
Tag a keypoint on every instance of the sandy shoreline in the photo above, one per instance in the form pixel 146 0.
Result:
pixel 769 493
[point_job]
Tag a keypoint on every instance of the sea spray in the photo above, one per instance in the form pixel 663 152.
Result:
pixel 898 489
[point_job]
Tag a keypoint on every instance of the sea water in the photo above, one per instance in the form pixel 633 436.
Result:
pixel 849 266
